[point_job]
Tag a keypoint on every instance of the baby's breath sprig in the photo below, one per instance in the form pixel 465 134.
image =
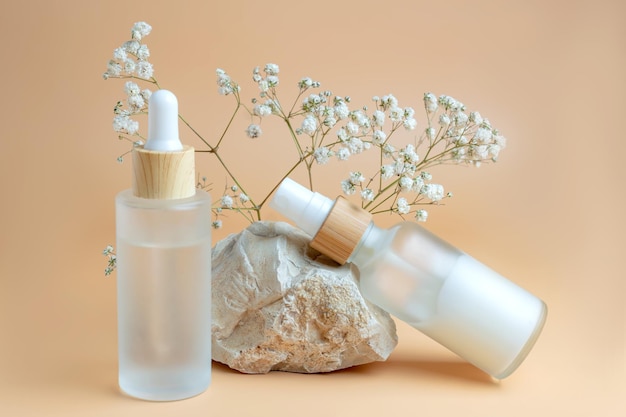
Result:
pixel 323 127
pixel 109 252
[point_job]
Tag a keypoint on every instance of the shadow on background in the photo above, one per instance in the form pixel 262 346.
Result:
pixel 454 371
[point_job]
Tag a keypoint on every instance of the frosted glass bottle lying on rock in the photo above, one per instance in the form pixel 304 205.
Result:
pixel 422 280
pixel 163 227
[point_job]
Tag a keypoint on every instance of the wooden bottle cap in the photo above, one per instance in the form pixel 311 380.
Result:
pixel 164 175
pixel 342 230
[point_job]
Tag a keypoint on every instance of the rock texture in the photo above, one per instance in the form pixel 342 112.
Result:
pixel 280 305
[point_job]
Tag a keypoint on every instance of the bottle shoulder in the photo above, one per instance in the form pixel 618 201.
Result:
pixel 127 198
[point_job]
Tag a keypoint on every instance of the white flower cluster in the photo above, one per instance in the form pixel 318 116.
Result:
pixel 131 58
pixel 130 61
pixel 332 129
pixel 470 138
pixel 269 80
pixel 326 127
pixel 109 252
pixel 233 200
pixel 136 103
pixel 225 84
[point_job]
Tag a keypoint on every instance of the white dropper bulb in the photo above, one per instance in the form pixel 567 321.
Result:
pixel 305 208
pixel 163 122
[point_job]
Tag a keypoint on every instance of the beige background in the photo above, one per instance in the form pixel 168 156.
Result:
pixel 549 74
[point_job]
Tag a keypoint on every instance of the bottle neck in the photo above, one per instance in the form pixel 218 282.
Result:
pixel 368 246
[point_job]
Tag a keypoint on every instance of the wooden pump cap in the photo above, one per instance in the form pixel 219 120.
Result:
pixel 341 231
pixel 164 175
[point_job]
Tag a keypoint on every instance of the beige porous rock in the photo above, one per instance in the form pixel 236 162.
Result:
pixel 280 305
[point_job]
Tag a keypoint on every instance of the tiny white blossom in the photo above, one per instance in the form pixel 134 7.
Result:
pixel 271 69
pixel 256 75
pixel 226 201
pixel 406 184
pixel 243 198
pixel 305 82
pixel 272 80
pixel 262 110
pixel 322 155
pixel 352 128
pixel 430 101
pixel 403 206
pixel 388 150
pixel 356 178
pixel 396 114
pixel 131 46
pixel 418 183
pixel 410 124
pixel 357 146
pixel 343 134
pixel 378 118
pixel 341 110
pixel 408 154
pixel 361 119
pixel 449 103
pixel 421 215
pixel 130 66
pixel 444 120
pixel 379 137
pixel 136 102
pixel 119 54
pixel 460 119
pixel 475 118
pixel 139 30
pixel 254 131
pixel 347 187
pixel 343 154
pixel 113 69
pixel 389 101
pixel 143 52
pixel 367 195
pixel 132 126
pixel 387 171
pixel 433 191
pixel 264 86
pixel 499 140
pixel 482 135
pixel 330 121
pixel 131 88
pixel 145 69
pixel 217 224
pixel 123 124
pixel 430 133
pixel 309 125
pixel 146 94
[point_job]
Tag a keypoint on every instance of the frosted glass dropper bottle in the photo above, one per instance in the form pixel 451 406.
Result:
pixel 163 227
pixel 439 290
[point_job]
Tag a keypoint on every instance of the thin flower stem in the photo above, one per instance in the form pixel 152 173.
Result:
pixel 381 192
pixel 195 132
pixel 294 137
pixel 383 201
pixel 219 142
pixel 232 176
pixel 293 168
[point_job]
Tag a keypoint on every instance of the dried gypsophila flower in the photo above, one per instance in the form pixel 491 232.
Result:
pixel 333 129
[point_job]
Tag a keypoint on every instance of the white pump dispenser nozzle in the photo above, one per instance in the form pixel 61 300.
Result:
pixel 163 122
pixel 304 207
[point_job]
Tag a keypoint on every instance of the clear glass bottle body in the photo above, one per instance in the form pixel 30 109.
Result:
pixel 164 296
pixel 449 296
